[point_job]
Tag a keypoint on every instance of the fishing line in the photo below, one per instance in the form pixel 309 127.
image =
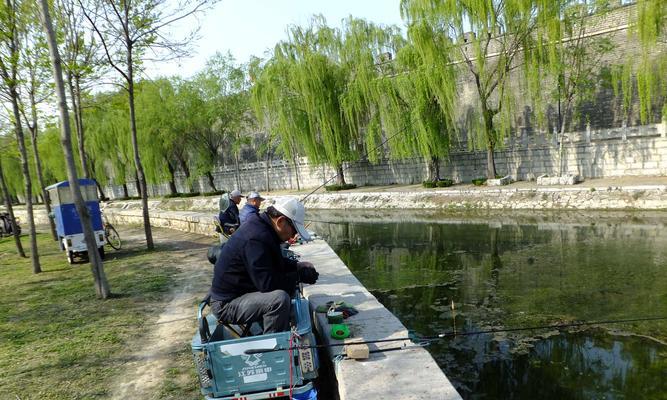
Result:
pixel 445 335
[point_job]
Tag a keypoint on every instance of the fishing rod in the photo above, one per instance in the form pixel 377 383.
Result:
pixel 446 335
pixel 348 166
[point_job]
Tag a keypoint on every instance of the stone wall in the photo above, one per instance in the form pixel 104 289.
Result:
pixel 633 151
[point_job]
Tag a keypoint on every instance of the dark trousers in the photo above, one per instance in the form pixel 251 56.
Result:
pixel 271 309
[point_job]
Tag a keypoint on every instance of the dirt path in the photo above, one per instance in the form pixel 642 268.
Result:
pixel 142 376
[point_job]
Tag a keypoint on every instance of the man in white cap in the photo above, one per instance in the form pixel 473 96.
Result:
pixel 229 217
pixel 252 281
pixel 252 203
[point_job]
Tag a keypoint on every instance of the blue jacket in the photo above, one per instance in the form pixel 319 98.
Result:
pixel 252 261
pixel 229 218
pixel 246 211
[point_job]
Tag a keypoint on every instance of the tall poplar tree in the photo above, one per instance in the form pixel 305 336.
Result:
pixel 101 284
pixel 11 28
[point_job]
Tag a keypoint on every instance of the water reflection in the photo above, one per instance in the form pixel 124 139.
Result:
pixel 512 274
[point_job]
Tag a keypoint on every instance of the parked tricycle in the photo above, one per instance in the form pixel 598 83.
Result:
pixel 68 222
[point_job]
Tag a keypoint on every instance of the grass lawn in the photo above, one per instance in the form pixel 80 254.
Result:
pixel 57 341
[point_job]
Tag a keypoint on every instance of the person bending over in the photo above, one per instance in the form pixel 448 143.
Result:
pixel 252 281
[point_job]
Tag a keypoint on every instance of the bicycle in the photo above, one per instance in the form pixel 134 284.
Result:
pixel 111 235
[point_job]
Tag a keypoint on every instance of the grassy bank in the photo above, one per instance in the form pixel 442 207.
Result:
pixel 57 341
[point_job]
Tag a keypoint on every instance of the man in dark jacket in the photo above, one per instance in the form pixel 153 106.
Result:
pixel 229 217
pixel 252 281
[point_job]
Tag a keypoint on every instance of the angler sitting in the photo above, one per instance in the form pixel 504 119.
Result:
pixel 252 281
pixel 229 216
pixel 253 201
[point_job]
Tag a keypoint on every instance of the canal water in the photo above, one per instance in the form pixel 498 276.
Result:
pixel 444 273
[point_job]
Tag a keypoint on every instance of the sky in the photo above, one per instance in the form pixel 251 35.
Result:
pixel 251 27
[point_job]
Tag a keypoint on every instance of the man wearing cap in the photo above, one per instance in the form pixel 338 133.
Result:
pixel 252 281
pixel 229 217
pixel 253 201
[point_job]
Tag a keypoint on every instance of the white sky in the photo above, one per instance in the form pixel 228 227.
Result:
pixel 251 27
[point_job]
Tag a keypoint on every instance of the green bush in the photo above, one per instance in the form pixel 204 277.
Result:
pixel 175 195
pixel 479 181
pixel 445 182
pixel 428 184
pixel 216 193
pixel 336 187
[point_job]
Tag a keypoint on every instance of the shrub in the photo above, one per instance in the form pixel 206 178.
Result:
pixel 479 181
pixel 445 182
pixel 336 187
pixel 216 193
pixel 175 195
pixel 428 184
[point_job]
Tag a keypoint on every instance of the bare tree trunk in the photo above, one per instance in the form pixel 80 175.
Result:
pixel 186 171
pixel 296 173
pixel 101 284
pixel 34 253
pixel 490 143
pixel 78 117
pixel 10 210
pixel 125 192
pixel 79 135
pixel 135 146
pixel 211 181
pixel 561 139
pixel 268 162
pixel 340 175
pixel 34 128
pixel 172 178
pixel 97 183
pixel 238 172
pixel 433 167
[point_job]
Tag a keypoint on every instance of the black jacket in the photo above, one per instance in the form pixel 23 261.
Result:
pixel 229 218
pixel 251 261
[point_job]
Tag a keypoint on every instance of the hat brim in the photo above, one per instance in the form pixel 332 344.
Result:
pixel 305 235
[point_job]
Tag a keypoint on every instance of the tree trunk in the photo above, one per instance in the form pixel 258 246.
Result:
pixel 135 146
pixel 78 116
pixel 10 211
pixel 211 181
pixel 34 253
pixel 136 183
pixel 125 192
pixel 490 142
pixel 172 178
pixel 340 175
pixel 38 165
pixel 79 134
pixel 433 166
pixel 97 183
pixel 561 138
pixel 238 172
pixel 296 173
pixel 101 284
pixel 268 162
pixel 186 171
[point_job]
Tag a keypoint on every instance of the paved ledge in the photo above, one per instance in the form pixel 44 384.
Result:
pixel 389 375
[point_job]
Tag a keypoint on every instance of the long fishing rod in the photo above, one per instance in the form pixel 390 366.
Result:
pixel 445 335
pixel 348 166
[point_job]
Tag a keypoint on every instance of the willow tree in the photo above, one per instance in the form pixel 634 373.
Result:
pixel 14 20
pixel 301 89
pixel 574 59
pixel 650 28
pixel 486 40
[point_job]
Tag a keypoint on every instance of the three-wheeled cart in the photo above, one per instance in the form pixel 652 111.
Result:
pixel 68 222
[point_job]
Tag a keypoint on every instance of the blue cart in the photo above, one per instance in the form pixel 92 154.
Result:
pixel 227 372
pixel 68 222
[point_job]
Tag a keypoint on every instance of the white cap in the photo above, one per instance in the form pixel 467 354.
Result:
pixel 293 209
pixel 235 193
pixel 255 195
